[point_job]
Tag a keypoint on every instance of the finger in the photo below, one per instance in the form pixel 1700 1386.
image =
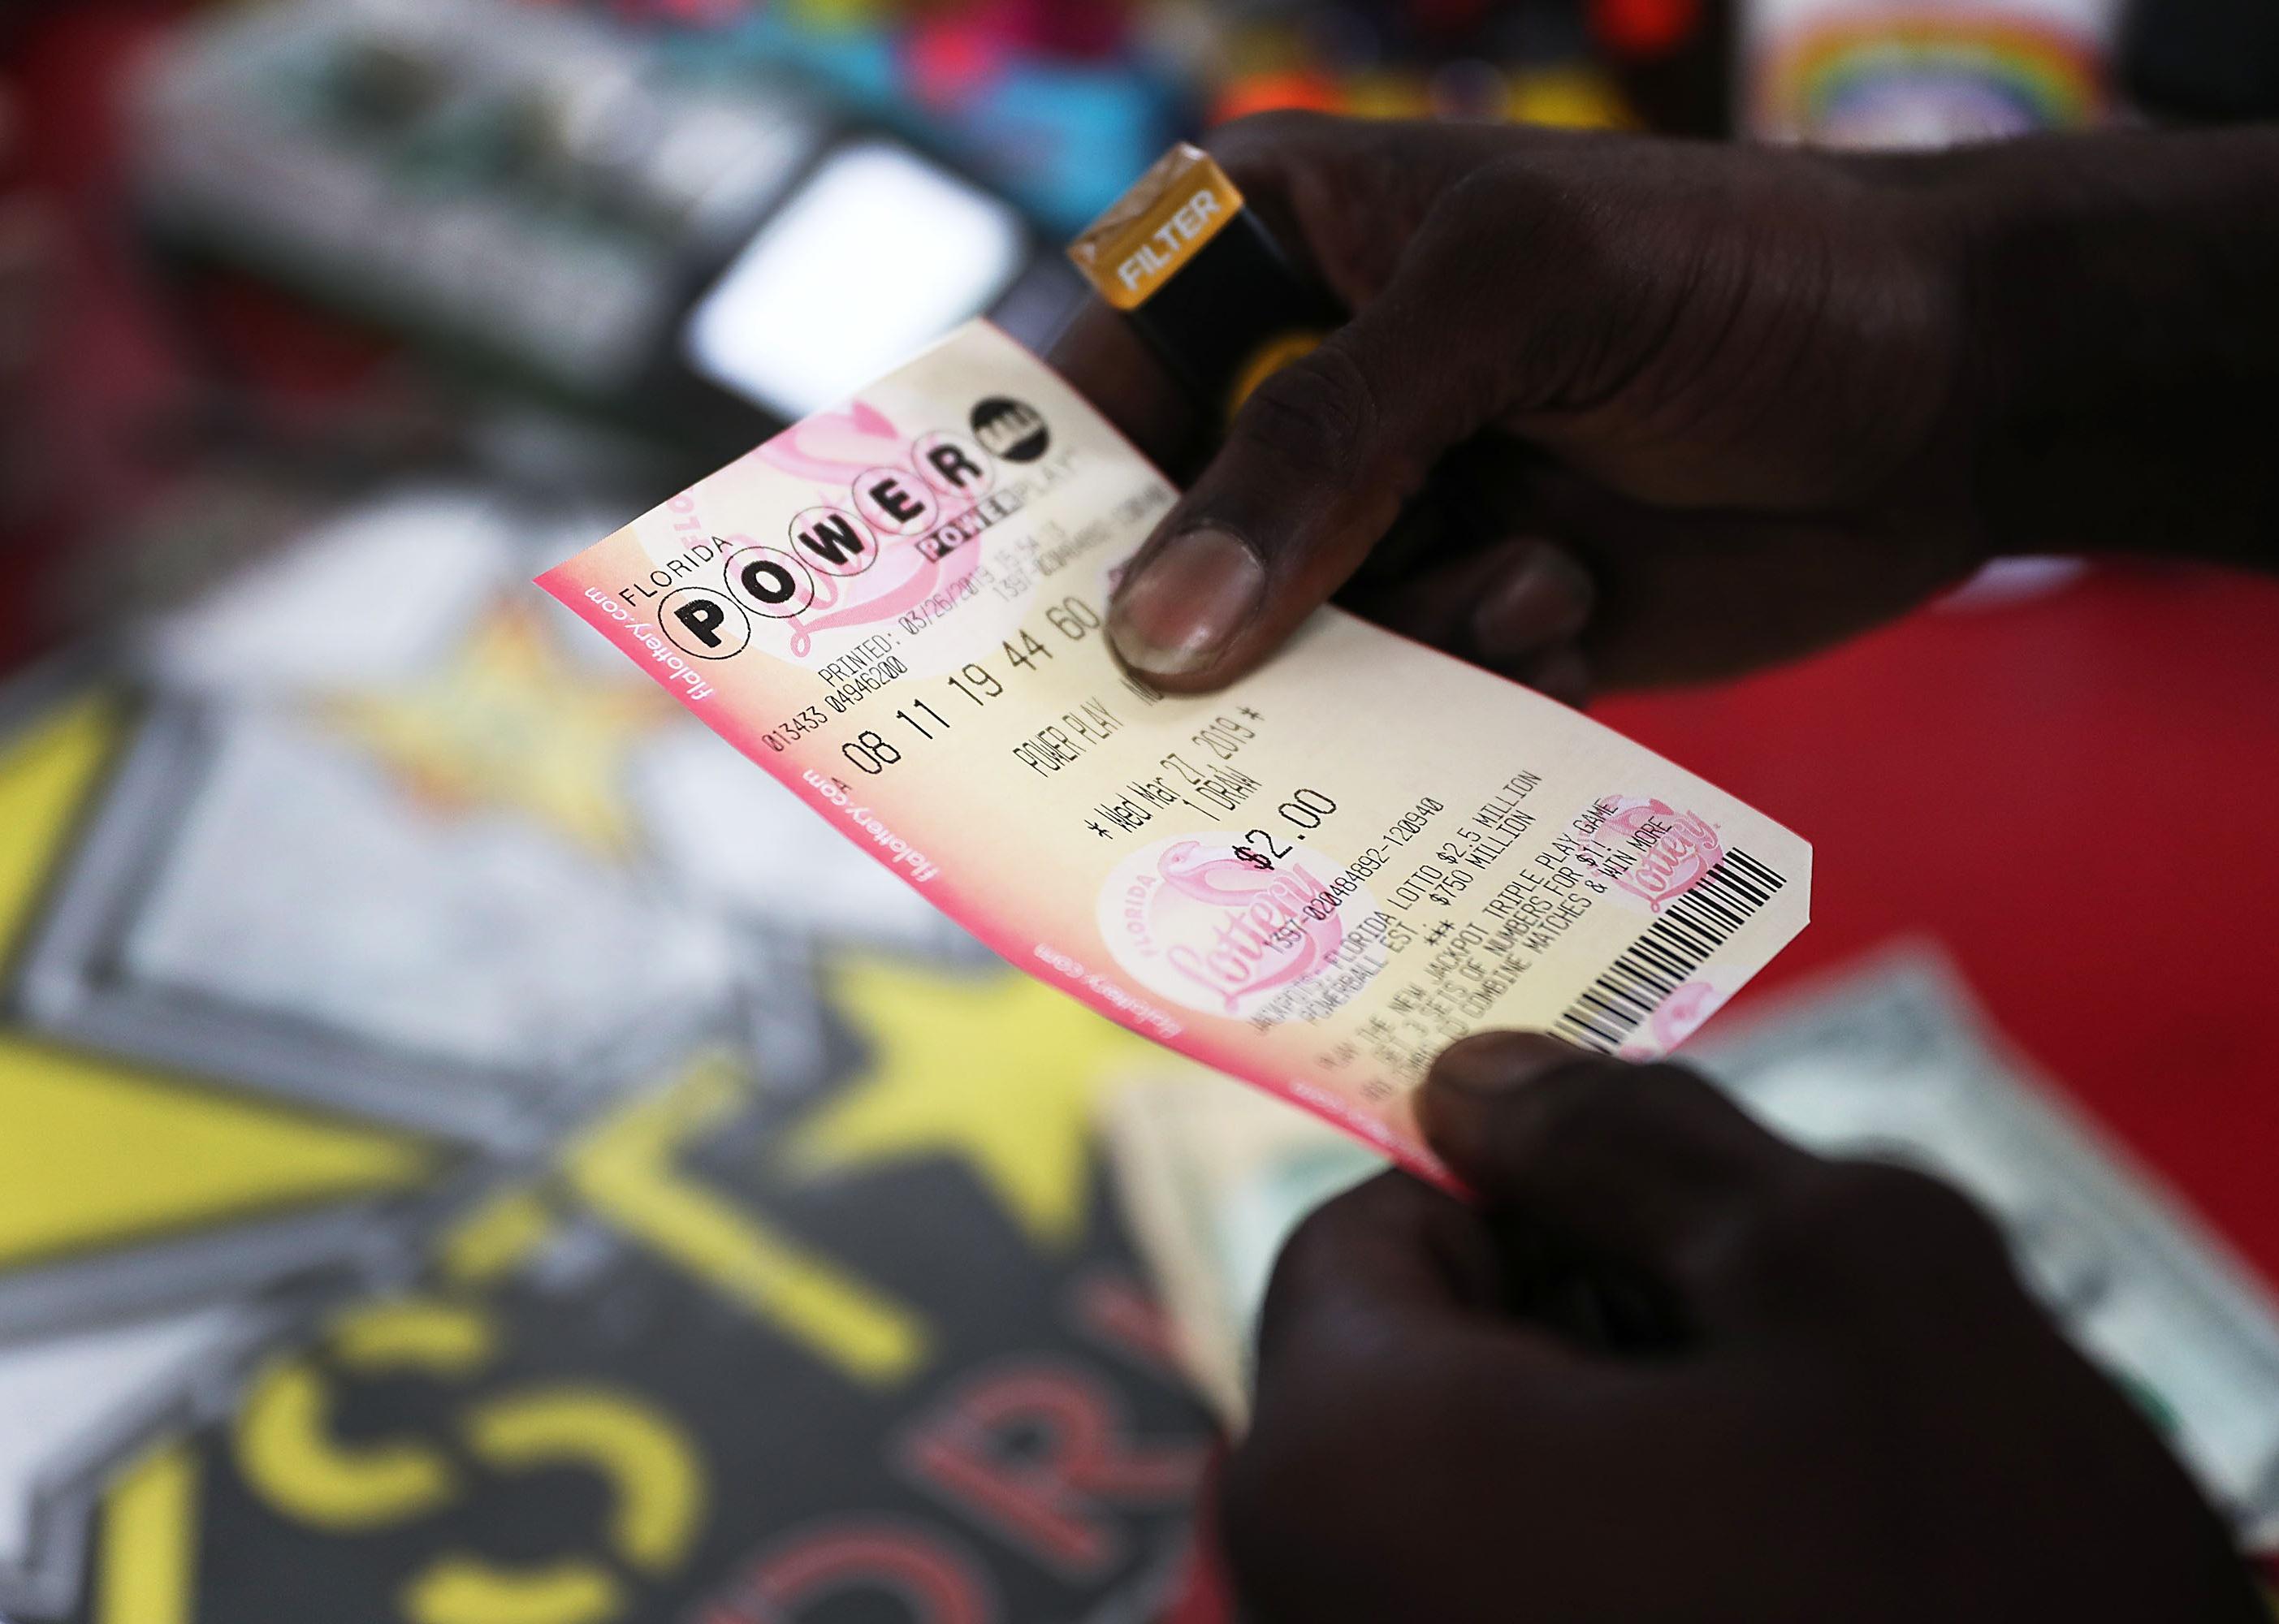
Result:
pixel 1561 672
pixel 1380 1350
pixel 1537 597
pixel 1107 363
pixel 1392 1271
pixel 1688 595
pixel 1295 172
pixel 1646 1166
pixel 1314 467
pixel 1344 196
pixel 1505 607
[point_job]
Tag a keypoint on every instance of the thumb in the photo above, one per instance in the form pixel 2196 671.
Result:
pixel 1315 467
pixel 1639 1163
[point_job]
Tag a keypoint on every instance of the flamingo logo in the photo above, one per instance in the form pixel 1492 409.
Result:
pixel 1197 924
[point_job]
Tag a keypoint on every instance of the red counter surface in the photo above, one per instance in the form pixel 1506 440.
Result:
pixel 2074 796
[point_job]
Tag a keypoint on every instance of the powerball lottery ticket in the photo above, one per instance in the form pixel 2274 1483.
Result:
pixel 1314 880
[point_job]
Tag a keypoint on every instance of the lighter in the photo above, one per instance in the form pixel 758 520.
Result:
pixel 1202 281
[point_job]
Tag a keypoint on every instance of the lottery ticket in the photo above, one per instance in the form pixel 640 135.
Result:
pixel 1313 880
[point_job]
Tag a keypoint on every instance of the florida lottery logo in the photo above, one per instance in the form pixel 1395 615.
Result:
pixel 1211 923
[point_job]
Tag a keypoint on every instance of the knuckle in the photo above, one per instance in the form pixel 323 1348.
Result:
pixel 1597 1105
pixel 1295 1466
pixel 1314 417
pixel 1573 251
pixel 1318 1253
pixel 1880 1202
pixel 1304 1471
pixel 1321 1332
pixel 1847 1231
pixel 1316 1245
pixel 1671 1086
pixel 1276 1507
pixel 1583 1106
pixel 1523 199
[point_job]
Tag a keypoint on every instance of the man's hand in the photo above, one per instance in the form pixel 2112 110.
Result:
pixel 1686 408
pixel 1677 376
pixel 1674 1368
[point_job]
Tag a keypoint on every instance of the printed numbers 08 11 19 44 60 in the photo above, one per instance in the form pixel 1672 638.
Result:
pixel 1072 617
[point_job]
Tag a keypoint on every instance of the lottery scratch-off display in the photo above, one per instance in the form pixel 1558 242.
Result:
pixel 438 1184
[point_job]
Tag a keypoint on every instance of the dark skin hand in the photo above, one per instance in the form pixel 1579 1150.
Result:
pixel 1658 411
pixel 1694 408
pixel 1850 1410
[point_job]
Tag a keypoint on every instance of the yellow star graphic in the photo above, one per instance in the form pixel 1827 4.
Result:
pixel 509 723
pixel 99 1155
pixel 996 1069
pixel 48 771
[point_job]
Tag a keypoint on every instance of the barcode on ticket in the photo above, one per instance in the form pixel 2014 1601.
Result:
pixel 1691 928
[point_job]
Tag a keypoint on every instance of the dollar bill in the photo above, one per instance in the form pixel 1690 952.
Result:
pixel 1897 1061
pixel 1212 1180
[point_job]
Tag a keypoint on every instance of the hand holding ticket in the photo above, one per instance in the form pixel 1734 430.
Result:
pixel 1314 880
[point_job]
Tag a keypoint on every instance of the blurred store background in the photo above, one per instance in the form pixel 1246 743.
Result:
pixel 473 1152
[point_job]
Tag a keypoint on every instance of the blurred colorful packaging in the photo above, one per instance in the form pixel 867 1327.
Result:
pixel 1876 75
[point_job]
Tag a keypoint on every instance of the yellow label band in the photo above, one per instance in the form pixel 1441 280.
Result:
pixel 1268 359
pixel 1181 203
